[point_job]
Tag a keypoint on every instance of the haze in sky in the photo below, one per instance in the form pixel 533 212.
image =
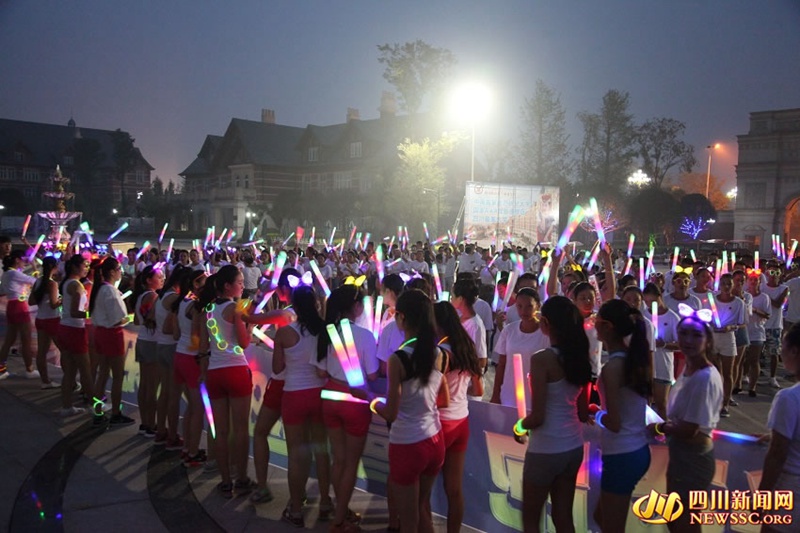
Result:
pixel 172 72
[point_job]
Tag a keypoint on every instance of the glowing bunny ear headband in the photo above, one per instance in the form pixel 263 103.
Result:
pixel 294 281
pixel 704 315
pixel 406 278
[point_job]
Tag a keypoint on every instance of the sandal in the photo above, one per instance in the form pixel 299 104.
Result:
pixel 352 517
pixel 226 489
pixel 325 510
pixel 244 486
pixel 296 519
pixel 261 495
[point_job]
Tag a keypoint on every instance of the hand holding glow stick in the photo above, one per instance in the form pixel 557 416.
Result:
pixel 713 303
pixel 356 379
pixel 279 262
pixel 519 385
pixel 512 281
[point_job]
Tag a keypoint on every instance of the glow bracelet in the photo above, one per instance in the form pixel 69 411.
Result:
pixel 375 402
pixel 337 396
pixel 520 431
pixel 519 385
pixel 356 377
pixel 207 407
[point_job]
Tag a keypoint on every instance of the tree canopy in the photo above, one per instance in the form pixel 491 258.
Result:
pixel 661 148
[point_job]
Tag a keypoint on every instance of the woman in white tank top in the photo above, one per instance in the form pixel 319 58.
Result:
pixel 168 406
pixel 48 317
pixel 147 283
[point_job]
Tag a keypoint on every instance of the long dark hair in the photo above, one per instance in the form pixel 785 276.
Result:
pixel 706 329
pixel 463 358
pixel 140 282
pixel 629 321
pixel 417 310
pixel 101 273
pixel 341 302
pixel 467 289
pixel 10 259
pixel 49 263
pixel 394 283
pixel 173 279
pixel 304 303
pixel 72 264
pixel 565 324
pixel 187 279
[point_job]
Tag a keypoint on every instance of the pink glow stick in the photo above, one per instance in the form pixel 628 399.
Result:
pixel 519 386
pixel 207 408
pixel 163 231
pixel 631 240
pixel 25 226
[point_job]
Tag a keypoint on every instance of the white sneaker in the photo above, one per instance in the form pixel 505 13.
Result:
pixel 773 382
pixel 745 381
pixel 72 411
pixel 33 374
pixel 51 385
pixel 210 466
pixel 3 375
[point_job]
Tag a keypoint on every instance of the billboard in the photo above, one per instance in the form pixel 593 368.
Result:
pixel 495 211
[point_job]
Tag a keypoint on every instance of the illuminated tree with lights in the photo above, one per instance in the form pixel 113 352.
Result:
pixel 692 227
pixel 607 220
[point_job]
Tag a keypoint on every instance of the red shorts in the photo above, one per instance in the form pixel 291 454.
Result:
pixel 456 434
pixel 49 326
pixel 355 418
pixel 185 370
pixel 229 382
pixel 109 342
pixel 299 406
pixel 273 395
pixel 73 340
pixel 407 462
pixel 18 312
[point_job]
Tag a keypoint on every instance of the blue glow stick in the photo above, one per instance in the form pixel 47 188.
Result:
pixel 209 412
pixel 122 228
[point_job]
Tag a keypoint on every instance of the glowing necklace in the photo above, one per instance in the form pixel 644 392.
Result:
pixel 213 328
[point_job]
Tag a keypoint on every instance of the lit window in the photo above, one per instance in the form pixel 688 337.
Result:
pixel 355 150
pixel 313 153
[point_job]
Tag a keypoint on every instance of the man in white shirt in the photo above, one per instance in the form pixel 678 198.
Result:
pixel 470 260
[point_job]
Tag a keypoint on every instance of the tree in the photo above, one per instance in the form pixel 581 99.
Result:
pixel 661 148
pixel 416 70
pixel 543 153
pixel 696 206
pixel 695 183
pixel 654 211
pixel 607 151
pixel 125 156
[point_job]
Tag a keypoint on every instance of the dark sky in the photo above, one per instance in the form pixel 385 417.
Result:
pixel 170 72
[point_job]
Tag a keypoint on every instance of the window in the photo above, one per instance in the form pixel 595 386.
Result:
pixel 342 180
pixel 30 175
pixel 755 195
pixel 236 183
pixel 29 193
pixel 355 150
pixel 68 161
pixel 141 176
pixel 6 173
pixel 19 157
pixel 313 153
pixel 246 181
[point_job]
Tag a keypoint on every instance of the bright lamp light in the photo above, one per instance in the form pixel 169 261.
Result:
pixel 471 101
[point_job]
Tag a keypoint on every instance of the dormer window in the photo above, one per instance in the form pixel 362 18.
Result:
pixel 19 157
pixel 313 154
pixel 355 150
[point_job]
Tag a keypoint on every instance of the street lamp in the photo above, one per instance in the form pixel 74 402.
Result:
pixel 639 179
pixel 710 149
pixel 471 101
pixel 731 194
pixel 438 198
pixel 114 211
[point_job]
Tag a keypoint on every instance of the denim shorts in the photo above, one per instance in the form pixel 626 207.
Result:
pixel 622 471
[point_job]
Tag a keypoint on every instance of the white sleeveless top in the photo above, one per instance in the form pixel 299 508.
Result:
pixel 632 431
pixel 144 332
pixel 225 352
pixel 185 344
pixel 458 384
pixel 300 373
pixel 161 317
pixel 46 311
pixel 417 416
pixel 66 306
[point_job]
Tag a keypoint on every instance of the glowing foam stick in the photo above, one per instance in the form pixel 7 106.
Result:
pixel 736 437
pixel 263 303
pixel 35 249
pixel 641 273
pixel 518 263
pixel 163 231
pixel 231 235
pixel 337 396
pixel 126 294
pixel 279 262
pixel 25 225
pixel 253 233
pixel 319 277
pixel 207 407
pixel 87 231
pixel 598 223
pixel 259 333
pixel 519 385
pixel 436 280
pixel 675 257
pixel 221 237
pixel 593 259
pixel 724 261
pixel 574 220
pixel 755 258
pixel 352 235
pixel 717 274
pixel 367 236
pixel 544 275
pixel 122 228
pixel 300 231
pixel 379 263
pixel 651 417
pixel 427 235
pixel 142 250
pixel 512 281
pixel 357 378
pixel 333 232
pixel 783 251
pixel 169 249
pixel 59 234
pixel 790 257
pixel 358 240
pixel 378 314
pixel 313 236
pixel 341 354
pixel 631 240
pixel 694 257
pixel 654 313
pixel 713 303
pixel 445 296
pixel 368 316
pixel 496 298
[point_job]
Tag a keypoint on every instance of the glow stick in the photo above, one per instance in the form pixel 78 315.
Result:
pixel 427 235
pixel 357 377
pixel 341 353
pixel 35 249
pixel 366 240
pixel 368 316
pixel 279 262
pixel 352 235
pixel 126 294
pixel 717 274
pixel 654 313
pixel 213 231
pixel 651 417
pixel 755 257
pixel 59 233
pixel 122 228
pixel 713 303
pixel 208 237
pixel 207 407
pixel 319 277
pixel 25 226
pixel 694 257
pixel 675 258
pixel 253 233
pixel 519 385
pixel 378 315
pixel 300 231
pixel 313 236
pixel 790 257
pixel 641 273
pixel 574 220
pixel 436 281
pixel 593 259
pixel 724 261
pixel 379 263
pixel 445 296
pixel 260 307
pixel 492 261
pixel 287 239
pixel 87 231
pixel 736 437
pixel 598 224
pixel 337 396
pixel 221 236
pixel 783 251
pixel 163 231
pixel 519 264
pixel 169 249
pixel 142 250
pixel 631 240
pixel 231 235
pixel 512 281
pixel 358 240
pixel 333 232
pixel 259 333
pixel 496 298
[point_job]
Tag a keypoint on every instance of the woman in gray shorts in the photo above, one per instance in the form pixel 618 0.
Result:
pixel 560 380
pixel 145 297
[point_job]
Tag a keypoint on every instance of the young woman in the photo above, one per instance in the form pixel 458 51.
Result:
pixel 416 387
pixel 731 311
pixel 73 339
pixel 301 409
pixel 16 286
pixel 777 292
pixel 391 337
pixel 625 386
pixel 782 463
pixel 346 423
pixel 665 346
pixel 523 337
pixel 45 296
pixel 694 405
pixel 762 308
pixel 741 333
pixel 109 316
pixel 148 282
pixel 585 298
pixel 560 380
pixel 465 294
pixel 702 286
pixel 166 418
pixel 464 375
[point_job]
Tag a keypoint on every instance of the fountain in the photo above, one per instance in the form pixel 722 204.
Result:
pixel 59 216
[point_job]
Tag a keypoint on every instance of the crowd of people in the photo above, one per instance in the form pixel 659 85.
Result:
pixel 601 344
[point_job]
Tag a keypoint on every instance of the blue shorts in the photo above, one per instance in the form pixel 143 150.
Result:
pixel 622 471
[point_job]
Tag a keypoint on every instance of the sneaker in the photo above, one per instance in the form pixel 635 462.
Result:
pixel 195 460
pixel 226 489
pixel 121 420
pixel 77 387
pixel 210 466
pixel 261 495
pixel 736 390
pixel 160 439
pixel 296 519
pixel 72 411
pixel 244 486
pixel 149 433
pixel 733 403
pixel 32 374
pixel 353 517
pixel 51 385
pixel 173 445
pixel 774 383
pixel 100 420
pixel 745 380
pixel 751 393
pixel 724 413
pixel 142 429
pixel 3 375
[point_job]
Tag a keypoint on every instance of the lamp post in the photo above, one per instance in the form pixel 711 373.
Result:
pixel 639 179
pixel 710 149
pixel 438 199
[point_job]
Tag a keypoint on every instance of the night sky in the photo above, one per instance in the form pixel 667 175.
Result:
pixel 172 72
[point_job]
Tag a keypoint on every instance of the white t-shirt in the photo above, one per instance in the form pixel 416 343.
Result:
pixel 513 340
pixel 755 326
pixel 783 418
pixel 16 285
pixel 477 332
pixel 365 346
pixel 109 309
pixel 775 320
pixel 697 399
pixel 484 310
pixel 731 313
pixel 390 340
pixel 692 301
pixel 663 359
pixel 793 303
pixel 251 275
